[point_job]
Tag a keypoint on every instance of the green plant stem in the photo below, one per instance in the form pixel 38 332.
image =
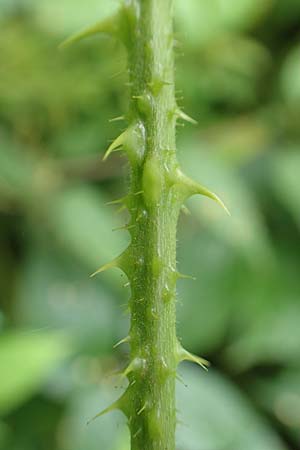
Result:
pixel 154 220
pixel 158 189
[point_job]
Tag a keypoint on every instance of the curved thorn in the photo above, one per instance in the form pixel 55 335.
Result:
pixel 115 145
pixel 184 355
pixel 191 187
pixel 213 196
pixel 198 360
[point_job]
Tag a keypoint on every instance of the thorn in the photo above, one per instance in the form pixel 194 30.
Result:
pixel 142 409
pixel 122 208
pixel 110 265
pixel 135 364
pixel 116 145
pixel 185 277
pixel 107 26
pixel 191 187
pixel 112 407
pixel 213 196
pixel 127 370
pixel 157 84
pixel 138 193
pixel 122 341
pixel 126 284
pixel 124 227
pixel 182 115
pixel 132 141
pixel 184 355
pixel 117 119
pixel 122 262
pixel 117 201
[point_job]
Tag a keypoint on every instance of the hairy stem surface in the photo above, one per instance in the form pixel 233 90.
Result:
pixel 158 189
pixel 153 232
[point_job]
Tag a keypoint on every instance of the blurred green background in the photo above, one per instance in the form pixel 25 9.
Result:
pixel 238 74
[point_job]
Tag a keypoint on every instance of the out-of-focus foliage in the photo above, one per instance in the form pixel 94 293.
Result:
pixel 238 69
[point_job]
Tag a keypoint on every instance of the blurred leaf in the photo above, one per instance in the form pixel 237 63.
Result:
pixel 240 80
pixel 239 140
pixel 290 77
pixel 69 15
pixel 216 416
pixel 60 16
pixel 4 436
pixel 271 338
pixel 228 69
pixel 280 396
pixel 244 14
pixel 245 230
pixel 201 20
pixel 285 180
pixel 108 432
pixel 54 292
pixel 63 92
pixel 284 14
pixel 26 359
pixel 83 224
pixel 205 305
pixel 16 170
